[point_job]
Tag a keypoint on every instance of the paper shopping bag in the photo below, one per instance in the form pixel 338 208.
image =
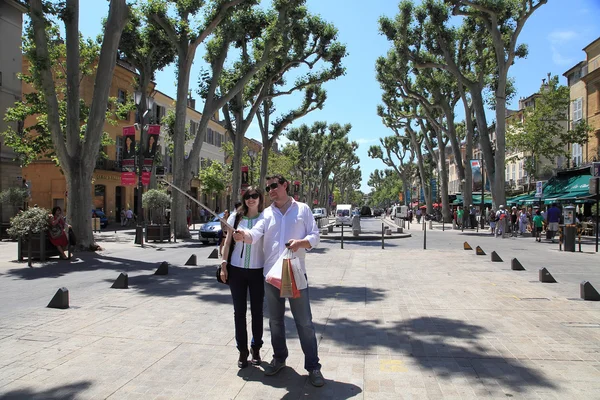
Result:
pixel 286 280
pixel 299 277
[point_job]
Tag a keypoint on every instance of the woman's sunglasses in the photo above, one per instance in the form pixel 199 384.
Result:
pixel 251 196
pixel 271 186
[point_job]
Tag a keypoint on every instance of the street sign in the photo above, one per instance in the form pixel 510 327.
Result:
pixel 595 169
pixel 539 189
pixel 593 185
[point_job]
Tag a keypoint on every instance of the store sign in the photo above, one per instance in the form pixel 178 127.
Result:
pixel 539 189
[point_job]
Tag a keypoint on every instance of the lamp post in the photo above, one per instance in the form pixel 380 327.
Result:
pixel 143 104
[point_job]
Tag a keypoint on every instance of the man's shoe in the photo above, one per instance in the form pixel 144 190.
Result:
pixel 316 378
pixel 243 360
pixel 274 367
pixel 255 353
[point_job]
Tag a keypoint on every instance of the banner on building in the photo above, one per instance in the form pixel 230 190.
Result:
pixel 477 175
pixel 245 180
pixel 153 135
pixel 128 175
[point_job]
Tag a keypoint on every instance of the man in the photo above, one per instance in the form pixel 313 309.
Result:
pixel 553 217
pixel 460 214
pixel 289 222
pixel 472 217
pixel 501 221
pixel 129 215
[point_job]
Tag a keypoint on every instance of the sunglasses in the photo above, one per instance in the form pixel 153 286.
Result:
pixel 251 196
pixel 273 185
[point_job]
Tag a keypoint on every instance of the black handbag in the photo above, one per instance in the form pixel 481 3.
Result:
pixel 238 217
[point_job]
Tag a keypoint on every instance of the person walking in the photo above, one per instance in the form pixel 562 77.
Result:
pixel 129 215
pixel 287 224
pixel 514 221
pixel 492 220
pixel 501 221
pixel 553 217
pixel 123 217
pixel 538 223
pixel 460 217
pixel 243 265
pixel 523 221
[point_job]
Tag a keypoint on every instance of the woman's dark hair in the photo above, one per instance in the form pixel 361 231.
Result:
pixel 243 209
pixel 55 209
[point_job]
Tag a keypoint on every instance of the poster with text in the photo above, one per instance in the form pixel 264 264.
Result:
pixel 477 175
pixel 128 175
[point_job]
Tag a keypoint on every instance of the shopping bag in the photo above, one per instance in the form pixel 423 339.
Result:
pixel 299 277
pixel 286 289
pixel 274 275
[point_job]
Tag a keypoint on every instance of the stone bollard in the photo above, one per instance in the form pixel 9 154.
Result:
pixel 388 231
pixel 356 224
pixel 330 228
pixel 399 230
pixel 324 231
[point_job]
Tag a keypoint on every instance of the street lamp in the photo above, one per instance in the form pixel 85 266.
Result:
pixel 143 104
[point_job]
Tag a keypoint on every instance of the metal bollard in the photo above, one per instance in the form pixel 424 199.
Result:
pixel 342 236
pixel 424 237
pixel 382 236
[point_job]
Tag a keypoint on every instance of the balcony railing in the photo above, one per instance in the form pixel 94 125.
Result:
pixel 108 165
pixel 589 67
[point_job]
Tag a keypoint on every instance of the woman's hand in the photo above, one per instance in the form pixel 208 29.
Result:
pixel 239 236
pixel 224 271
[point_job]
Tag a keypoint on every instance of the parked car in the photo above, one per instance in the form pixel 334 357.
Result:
pixel 365 211
pixel 210 231
pixel 103 218
pixel 377 212
pixel 319 213
pixel 342 215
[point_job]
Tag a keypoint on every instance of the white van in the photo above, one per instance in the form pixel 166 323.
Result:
pixel 401 212
pixel 343 215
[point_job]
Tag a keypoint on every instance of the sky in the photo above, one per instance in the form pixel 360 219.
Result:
pixel 556 34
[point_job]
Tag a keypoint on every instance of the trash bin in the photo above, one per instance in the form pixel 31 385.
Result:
pixel 570 231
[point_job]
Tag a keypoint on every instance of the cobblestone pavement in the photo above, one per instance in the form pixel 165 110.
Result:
pixel 397 323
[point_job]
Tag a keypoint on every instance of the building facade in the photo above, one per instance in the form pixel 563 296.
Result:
pixel 11 30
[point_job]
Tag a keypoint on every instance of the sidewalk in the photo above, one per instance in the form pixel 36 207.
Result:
pixel 399 323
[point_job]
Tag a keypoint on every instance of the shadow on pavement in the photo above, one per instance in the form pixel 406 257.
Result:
pixel 298 386
pixel 445 346
pixel 61 392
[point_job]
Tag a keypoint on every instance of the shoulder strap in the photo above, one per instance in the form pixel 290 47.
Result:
pixel 238 218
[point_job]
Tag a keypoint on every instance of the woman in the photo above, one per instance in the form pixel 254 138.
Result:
pixel 492 221
pixel 58 236
pixel 245 273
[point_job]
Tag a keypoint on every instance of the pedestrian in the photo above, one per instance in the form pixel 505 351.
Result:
pixel 419 215
pixel 501 221
pixel 202 214
pixel 243 265
pixel 523 221
pixel 123 217
pixel 188 216
pixel 472 217
pixel 129 216
pixel 538 223
pixel 492 219
pixel 514 220
pixel 553 217
pixel 460 215
pixel 287 223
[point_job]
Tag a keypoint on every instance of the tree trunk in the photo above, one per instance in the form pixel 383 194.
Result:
pixel 500 194
pixel 468 182
pixel 264 161
pixel 484 141
pixel 443 176
pixel 181 175
pixel 79 203
pixel 420 165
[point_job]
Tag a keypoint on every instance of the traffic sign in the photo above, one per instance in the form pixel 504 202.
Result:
pixel 539 188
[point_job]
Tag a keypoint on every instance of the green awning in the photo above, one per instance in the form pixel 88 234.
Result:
pixel 562 189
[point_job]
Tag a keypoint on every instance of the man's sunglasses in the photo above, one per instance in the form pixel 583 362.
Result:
pixel 273 185
pixel 253 196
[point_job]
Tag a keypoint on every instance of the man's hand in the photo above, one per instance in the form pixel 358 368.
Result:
pixel 296 244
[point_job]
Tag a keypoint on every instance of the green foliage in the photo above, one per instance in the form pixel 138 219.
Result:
pixel 214 177
pixel 542 132
pixel 155 199
pixel 386 185
pixel 33 141
pixel 15 196
pixel 32 220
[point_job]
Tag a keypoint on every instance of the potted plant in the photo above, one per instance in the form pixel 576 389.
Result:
pixel 156 201
pixel 30 228
pixel 14 198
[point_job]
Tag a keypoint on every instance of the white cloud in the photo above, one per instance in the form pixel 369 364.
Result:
pixel 365 141
pixel 559 59
pixel 560 37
